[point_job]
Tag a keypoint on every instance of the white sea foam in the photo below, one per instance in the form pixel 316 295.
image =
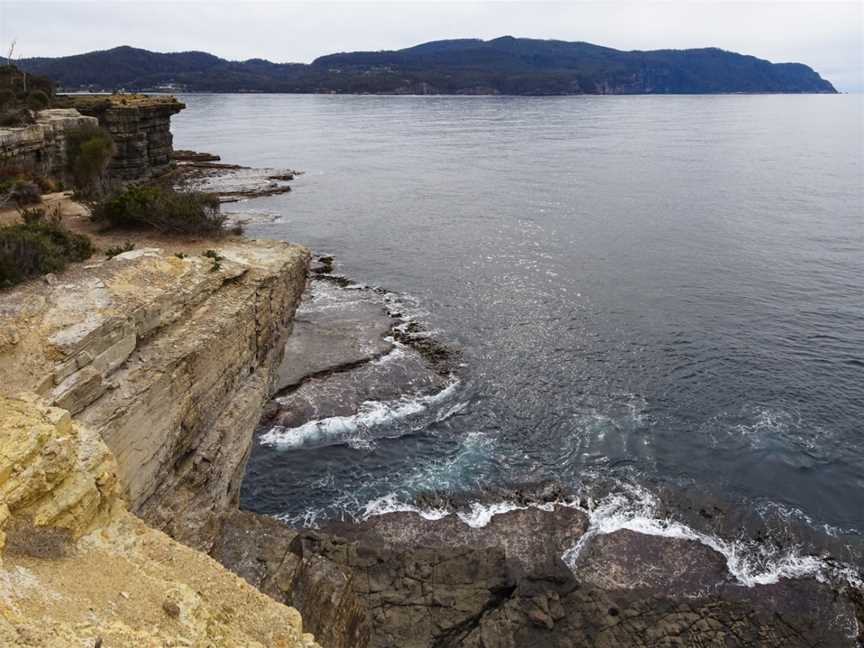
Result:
pixel 392 504
pixel 636 510
pixel 341 429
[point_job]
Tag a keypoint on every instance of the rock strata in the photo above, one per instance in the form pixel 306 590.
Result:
pixel 169 360
pixel 140 126
pixel 79 570
pixel 41 147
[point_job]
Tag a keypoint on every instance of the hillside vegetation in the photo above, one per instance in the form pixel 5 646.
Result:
pixel 504 65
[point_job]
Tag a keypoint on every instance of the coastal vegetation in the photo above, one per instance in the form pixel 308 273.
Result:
pixel 38 245
pixel 88 152
pixel 21 93
pixel 160 208
pixel 506 65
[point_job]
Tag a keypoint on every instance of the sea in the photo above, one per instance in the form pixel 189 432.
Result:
pixel 658 303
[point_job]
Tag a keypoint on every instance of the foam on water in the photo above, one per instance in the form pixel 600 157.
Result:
pixel 750 564
pixel 347 429
pixel 635 509
pixel 391 503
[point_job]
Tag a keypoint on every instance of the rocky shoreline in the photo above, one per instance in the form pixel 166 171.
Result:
pixel 136 393
pixel 532 566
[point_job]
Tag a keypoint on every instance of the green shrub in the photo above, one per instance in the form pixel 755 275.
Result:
pixel 12 116
pixel 7 97
pixel 46 185
pixel 38 246
pixel 216 257
pixel 38 100
pixel 162 209
pixel 25 192
pixel 88 151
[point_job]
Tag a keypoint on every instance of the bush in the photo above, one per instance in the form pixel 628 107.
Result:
pixel 88 151
pixel 7 97
pixel 38 246
pixel 38 100
pixel 25 192
pixel 46 185
pixel 162 209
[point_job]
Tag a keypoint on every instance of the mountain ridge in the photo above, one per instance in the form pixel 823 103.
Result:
pixel 504 65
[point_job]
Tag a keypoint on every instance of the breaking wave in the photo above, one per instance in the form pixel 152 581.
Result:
pixel 354 429
pixel 750 563
pixel 635 509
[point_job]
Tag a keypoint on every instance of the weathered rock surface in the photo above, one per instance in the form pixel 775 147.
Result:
pixel 653 563
pixel 234 182
pixel 79 570
pixel 140 126
pixel 169 360
pixel 334 329
pixel 505 585
pixel 265 553
pixel 41 147
pixel 531 536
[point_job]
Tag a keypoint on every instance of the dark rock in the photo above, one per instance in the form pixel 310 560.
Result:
pixel 530 537
pixel 333 330
pixel 171 608
pixel 194 156
pixel 629 560
pixel 268 555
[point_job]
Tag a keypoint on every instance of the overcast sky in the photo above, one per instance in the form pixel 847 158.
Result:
pixel 827 35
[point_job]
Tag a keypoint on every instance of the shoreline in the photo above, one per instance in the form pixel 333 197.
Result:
pixel 540 566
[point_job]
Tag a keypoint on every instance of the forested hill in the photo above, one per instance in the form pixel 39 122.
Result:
pixel 504 65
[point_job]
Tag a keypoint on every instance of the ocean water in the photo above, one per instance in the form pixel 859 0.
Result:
pixel 660 295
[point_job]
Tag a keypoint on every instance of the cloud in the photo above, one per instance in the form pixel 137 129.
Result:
pixel 829 36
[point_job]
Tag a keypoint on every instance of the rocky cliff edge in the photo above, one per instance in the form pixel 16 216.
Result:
pixel 79 570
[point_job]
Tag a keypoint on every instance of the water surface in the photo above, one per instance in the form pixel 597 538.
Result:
pixel 659 292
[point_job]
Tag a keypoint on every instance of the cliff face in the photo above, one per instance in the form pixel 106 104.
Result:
pixel 41 147
pixel 170 360
pixel 139 125
pixel 141 129
pixel 79 570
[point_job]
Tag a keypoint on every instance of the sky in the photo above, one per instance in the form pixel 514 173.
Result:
pixel 825 34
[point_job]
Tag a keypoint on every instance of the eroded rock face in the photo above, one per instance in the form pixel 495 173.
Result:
pixel 141 129
pixel 41 147
pixel 54 474
pixel 267 555
pixel 78 570
pixel 169 360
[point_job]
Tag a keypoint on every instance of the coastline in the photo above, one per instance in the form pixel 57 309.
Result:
pixel 415 574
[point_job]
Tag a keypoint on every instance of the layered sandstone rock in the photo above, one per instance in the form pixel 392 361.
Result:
pixel 41 147
pixel 79 570
pixel 140 126
pixel 170 360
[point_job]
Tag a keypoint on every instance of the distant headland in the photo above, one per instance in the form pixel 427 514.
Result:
pixel 506 65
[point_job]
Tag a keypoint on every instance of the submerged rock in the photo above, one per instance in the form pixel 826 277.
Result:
pixel 333 330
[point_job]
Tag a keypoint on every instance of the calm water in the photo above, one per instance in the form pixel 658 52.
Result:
pixel 660 291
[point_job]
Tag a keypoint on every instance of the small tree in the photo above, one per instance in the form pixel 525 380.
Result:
pixel 88 151
pixel 10 57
